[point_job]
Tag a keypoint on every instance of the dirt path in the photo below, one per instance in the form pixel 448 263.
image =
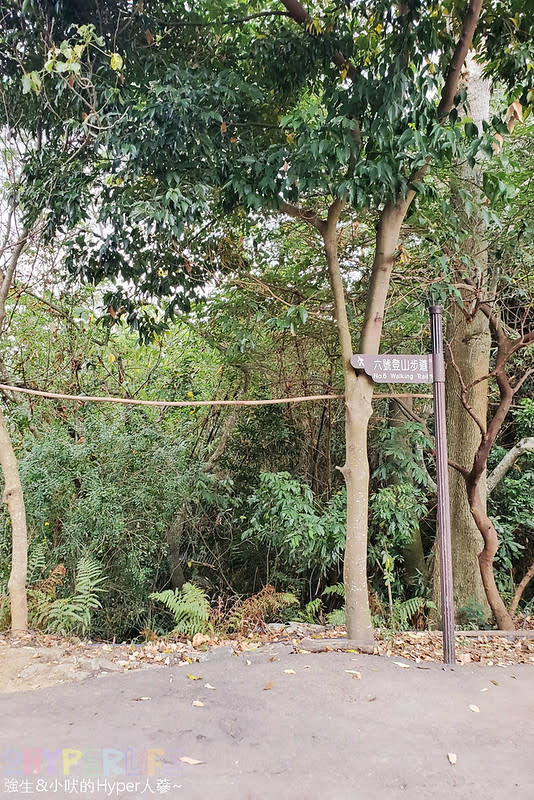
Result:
pixel 272 723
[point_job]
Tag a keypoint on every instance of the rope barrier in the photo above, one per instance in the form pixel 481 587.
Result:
pixel 83 398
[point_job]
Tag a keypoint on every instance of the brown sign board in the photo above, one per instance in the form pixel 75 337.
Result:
pixel 388 368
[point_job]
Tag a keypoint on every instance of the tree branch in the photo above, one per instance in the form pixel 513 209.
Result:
pixel 462 48
pixel 518 594
pixel 303 214
pixel 507 462
pixel 463 393
pixel 7 276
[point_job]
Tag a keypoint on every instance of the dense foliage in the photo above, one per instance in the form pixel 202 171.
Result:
pixel 157 146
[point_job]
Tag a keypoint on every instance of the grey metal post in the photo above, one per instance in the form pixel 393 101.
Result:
pixel 442 474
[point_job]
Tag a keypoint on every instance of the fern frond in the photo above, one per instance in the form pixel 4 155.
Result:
pixel 336 617
pixel 67 615
pixel 254 612
pixel 36 560
pixel 408 609
pixel 189 606
pixel 312 609
pixel 336 588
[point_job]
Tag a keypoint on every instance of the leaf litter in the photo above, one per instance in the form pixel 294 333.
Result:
pixel 422 647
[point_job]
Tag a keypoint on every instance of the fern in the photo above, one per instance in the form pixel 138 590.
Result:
pixel 312 610
pixel 67 615
pixel 337 588
pixel 254 612
pixel 404 612
pixel 36 560
pixel 189 606
pixel 336 617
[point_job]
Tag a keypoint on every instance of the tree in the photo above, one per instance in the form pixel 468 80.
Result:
pixel 15 240
pixel 194 113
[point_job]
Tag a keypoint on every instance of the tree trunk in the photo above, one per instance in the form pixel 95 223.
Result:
pixel 358 400
pixel 414 557
pixel 470 342
pixel 14 499
pixel 502 616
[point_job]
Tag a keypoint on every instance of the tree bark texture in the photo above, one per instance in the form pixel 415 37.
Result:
pixel 14 499
pixel 470 342
pixel 358 402
pixel 414 557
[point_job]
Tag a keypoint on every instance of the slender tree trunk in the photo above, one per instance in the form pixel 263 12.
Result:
pixel 358 410
pixel 14 500
pixel 13 496
pixel 485 558
pixel 470 343
pixel 518 594
pixel 358 403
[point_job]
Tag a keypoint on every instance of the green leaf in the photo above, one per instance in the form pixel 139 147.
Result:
pixel 116 62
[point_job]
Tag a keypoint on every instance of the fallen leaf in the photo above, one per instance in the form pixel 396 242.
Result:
pixel 485 689
pixel 371 699
pixel 194 677
pixel 354 673
pixel 495 683
pixel 198 703
pixel 141 698
pixel 249 662
pixel 190 761
pixel 400 664
pixel 290 672
pixel 273 658
pixel 269 686
pixel 208 686
pixel 452 758
pixel 200 639
pixel 473 707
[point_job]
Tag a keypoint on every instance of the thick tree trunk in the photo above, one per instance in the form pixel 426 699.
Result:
pixel 414 557
pixel 14 499
pixel 470 343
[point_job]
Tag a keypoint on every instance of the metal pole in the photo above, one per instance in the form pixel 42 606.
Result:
pixel 442 473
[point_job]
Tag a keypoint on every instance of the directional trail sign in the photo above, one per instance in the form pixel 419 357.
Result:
pixel 406 368
pixel 402 368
